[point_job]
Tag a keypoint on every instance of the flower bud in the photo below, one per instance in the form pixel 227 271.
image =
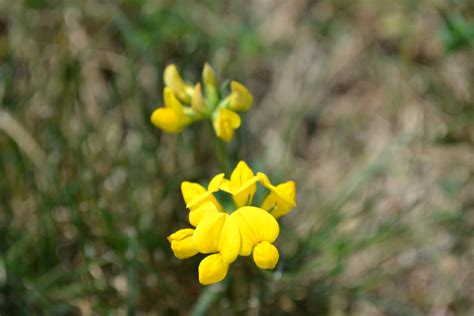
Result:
pixel 210 83
pixel 197 101
pixel 181 89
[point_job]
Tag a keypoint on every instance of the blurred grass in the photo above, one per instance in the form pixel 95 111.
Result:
pixel 367 105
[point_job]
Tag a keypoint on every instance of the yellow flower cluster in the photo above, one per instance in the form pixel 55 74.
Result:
pixel 224 234
pixel 186 103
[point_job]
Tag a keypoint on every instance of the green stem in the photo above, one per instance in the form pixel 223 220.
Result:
pixel 222 156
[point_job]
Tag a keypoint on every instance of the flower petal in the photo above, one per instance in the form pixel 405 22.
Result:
pixel 208 232
pixel 240 99
pixel 212 269
pixel 197 100
pixel 167 119
pixel 215 183
pixel 210 83
pixel 191 190
pixel 263 178
pixel 174 81
pixel 281 199
pixel 230 240
pixel 171 101
pixel 197 214
pixel 255 225
pixel 265 255
pixel 209 75
pixel 241 174
pixel 218 232
pixel 225 122
pixel 182 243
pixel 196 195
pixel 242 184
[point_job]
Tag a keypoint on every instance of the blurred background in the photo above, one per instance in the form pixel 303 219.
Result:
pixel 367 105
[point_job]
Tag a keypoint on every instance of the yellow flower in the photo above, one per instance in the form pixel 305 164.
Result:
pixel 258 230
pixel 225 122
pixel 180 88
pixel 281 199
pixel 223 236
pixel 240 98
pixel 172 117
pixel 182 243
pixel 186 103
pixel 196 195
pixel 242 184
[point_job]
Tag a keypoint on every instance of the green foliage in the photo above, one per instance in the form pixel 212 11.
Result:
pixel 457 33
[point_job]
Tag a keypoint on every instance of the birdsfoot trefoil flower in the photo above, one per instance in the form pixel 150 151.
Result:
pixel 186 103
pixel 242 230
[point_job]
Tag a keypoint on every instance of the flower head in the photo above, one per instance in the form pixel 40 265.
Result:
pixel 186 103
pixel 243 230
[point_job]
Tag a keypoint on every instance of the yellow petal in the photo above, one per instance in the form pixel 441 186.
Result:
pixel 197 101
pixel 226 186
pixel 215 183
pixel 244 184
pixel 263 178
pixel 212 269
pixel 255 225
pixel 197 214
pixel 229 241
pixel 265 255
pixel 288 191
pixel 196 195
pixel 209 75
pixel 218 232
pixel 191 190
pixel 240 98
pixel 180 88
pixel 281 199
pixel 182 243
pixel 270 202
pixel 200 200
pixel 241 173
pixel 207 234
pixel 171 101
pixel 167 119
pixel 225 122
pixel 210 83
